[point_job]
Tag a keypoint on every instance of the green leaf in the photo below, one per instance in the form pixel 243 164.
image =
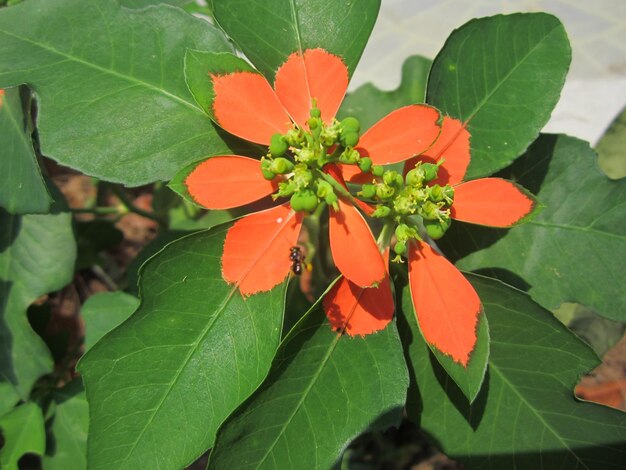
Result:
pixel 324 390
pixel 526 416
pixel 161 383
pixel 469 379
pixel 104 311
pixel 147 3
pixel 612 148
pixel 502 77
pixel 22 188
pixel 268 32
pixel 575 248
pixel 8 397
pixel 23 432
pixel 369 104
pixel 37 254
pixel 92 237
pixel 67 448
pixel 113 100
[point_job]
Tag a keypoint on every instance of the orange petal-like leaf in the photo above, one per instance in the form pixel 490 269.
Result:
pixel 357 310
pixel 453 145
pixel 228 181
pixel 1 95
pixel 316 74
pixel 353 247
pixel 446 304
pixel 245 105
pixel 257 248
pixel 400 135
pixel 491 201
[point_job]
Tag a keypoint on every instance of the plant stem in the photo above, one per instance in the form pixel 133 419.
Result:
pixel 96 210
pixel 128 204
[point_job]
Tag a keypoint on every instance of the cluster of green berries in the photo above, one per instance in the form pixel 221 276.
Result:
pixel 299 155
pixel 411 203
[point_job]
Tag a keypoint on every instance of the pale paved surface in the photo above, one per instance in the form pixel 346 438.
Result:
pixel 595 90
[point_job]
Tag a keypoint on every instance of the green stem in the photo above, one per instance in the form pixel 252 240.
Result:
pixel 96 210
pixel 337 186
pixel 121 195
pixel 385 235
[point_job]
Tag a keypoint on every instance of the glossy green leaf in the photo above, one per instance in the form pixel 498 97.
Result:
pixel 324 390
pixel 147 3
pixel 526 416
pixel 8 397
pixel 369 104
pixel 160 384
pixel 113 100
pixel 612 148
pixel 104 311
pixel 22 188
pixel 502 77
pixel 574 250
pixel 469 379
pixel 268 32
pixel 23 432
pixel 67 447
pixel 37 254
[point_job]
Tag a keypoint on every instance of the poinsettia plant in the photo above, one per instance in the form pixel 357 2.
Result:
pixel 326 263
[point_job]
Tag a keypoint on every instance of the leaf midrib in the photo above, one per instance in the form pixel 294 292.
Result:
pixel 536 413
pixel 577 229
pixel 104 70
pixel 304 395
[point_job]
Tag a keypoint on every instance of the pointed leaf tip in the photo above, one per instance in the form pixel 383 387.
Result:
pixel 446 305
pixel 491 201
pixel 257 247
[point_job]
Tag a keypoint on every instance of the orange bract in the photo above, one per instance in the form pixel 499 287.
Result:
pixel 490 201
pixel 256 250
pixel 353 246
pixel 228 181
pixel 453 145
pixel 245 105
pixel 401 134
pixel 316 74
pixel 446 305
pixel 1 95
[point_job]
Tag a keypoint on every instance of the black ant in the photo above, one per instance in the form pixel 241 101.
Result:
pixel 296 257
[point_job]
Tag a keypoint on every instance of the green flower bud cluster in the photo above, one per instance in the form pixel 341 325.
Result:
pixel 404 233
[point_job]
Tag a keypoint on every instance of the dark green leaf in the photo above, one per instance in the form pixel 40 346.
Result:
pixel 67 449
pixel 160 384
pixel 324 389
pixel 37 254
pixel 369 104
pixel 526 415
pixel 8 397
pixel 147 3
pixel 574 250
pixel 268 32
pixel 104 311
pixel 612 148
pixel 502 76
pixel 23 432
pixel 22 189
pixel 93 237
pixel 113 100
pixel 469 379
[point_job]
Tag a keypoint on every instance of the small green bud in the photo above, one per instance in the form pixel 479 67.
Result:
pixel 436 193
pixel 349 138
pixel 400 248
pixel 404 232
pixel 381 211
pixel 349 156
pixel 331 199
pixel 430 171
pixel 448 193
pixel 267 174
pixel 378 170
pixel 414 177
pixel 384 192
pixel 365 164
pixel 313 123
pixel 304 200
pixel 278 146
pixel 436 229
pixel 286 188
pixel 316 112
pixel 324 188
pixel 280 166
pixel 430 211
pixel 351 124
pixel 368 191
pixel 393 178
